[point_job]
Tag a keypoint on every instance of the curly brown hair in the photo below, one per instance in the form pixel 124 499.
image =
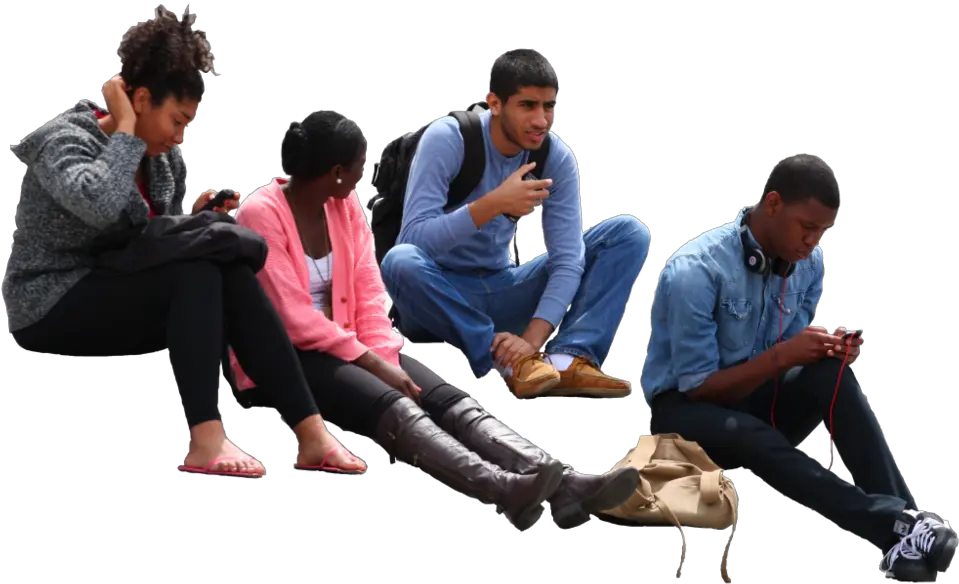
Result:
pixel 166 56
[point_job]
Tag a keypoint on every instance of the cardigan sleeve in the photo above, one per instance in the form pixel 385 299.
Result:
pixel 373 325
pixel 308 328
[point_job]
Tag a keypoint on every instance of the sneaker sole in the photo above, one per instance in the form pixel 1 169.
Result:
pixel 540 389
pixel 591 392
pixel 948 552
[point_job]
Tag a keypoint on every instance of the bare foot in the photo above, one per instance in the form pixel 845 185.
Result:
pixel 208 443
pixel 328 451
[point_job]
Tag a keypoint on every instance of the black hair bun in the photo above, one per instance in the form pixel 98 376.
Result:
pixel 294 147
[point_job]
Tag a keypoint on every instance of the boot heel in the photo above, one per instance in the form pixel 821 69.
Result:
pixel 547 481
pixel 570 516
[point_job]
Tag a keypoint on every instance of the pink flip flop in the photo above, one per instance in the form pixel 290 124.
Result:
pixel 208 469
pixel 323 467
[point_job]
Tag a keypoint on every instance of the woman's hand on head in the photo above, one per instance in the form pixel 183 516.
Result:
pixel 119 105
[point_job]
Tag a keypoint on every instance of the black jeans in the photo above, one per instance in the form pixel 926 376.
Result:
pixel 740 435
pixel 194 309
pixel 354 399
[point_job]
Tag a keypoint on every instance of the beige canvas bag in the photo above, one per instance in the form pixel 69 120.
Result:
pixel 679 485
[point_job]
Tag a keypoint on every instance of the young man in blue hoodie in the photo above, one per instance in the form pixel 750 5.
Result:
pixel 450 274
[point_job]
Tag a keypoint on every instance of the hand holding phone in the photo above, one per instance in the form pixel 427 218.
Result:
pixel 852 335
pixel 520 193
pixel 526 177
pixel 219 199
pixel 849 346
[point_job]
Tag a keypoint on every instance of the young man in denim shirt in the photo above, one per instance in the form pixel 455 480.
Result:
pixel 719 371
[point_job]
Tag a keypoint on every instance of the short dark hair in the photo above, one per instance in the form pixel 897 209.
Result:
pixel 323 140
pixel 520 68
pixel 802 177
pixel 166 56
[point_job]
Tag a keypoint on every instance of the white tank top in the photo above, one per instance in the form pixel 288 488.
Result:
pixel 321 272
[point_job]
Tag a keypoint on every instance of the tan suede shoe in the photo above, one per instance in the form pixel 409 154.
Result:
pixel 583 379
pixel 532 377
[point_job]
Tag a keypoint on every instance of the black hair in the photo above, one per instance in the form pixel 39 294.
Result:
pixel 166 56
pixel 803 177
pixel 323 140
pixel 520 68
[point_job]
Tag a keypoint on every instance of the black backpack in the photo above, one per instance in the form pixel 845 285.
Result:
pixel 391 173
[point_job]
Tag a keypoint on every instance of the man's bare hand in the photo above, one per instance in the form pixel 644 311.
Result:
pixel 850 347
pixel 508 348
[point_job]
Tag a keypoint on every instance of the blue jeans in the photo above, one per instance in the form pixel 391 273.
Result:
pixel 467 309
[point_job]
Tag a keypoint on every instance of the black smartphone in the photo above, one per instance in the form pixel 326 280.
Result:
pixel 852 335
pixel 219 199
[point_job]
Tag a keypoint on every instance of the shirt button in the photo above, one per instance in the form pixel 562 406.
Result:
pixel 346 325
pixel 343 299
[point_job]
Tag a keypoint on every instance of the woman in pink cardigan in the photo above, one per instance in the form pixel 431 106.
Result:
pixel 322 276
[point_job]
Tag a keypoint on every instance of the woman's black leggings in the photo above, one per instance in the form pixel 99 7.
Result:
pixel 194 309
pixel 354 399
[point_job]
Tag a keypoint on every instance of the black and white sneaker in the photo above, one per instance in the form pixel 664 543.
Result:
pixel 926 547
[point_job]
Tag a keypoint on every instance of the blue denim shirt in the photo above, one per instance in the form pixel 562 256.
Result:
pixel 711 313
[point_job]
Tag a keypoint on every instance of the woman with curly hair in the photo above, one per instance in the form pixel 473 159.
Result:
pixel 92 172
pixel 322 276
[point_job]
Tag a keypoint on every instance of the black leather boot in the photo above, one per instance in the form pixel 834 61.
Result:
pixel 578 495
pixel 407 433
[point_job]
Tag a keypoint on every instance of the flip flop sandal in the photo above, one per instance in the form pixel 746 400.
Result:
pixel 323 467
pixel 208 469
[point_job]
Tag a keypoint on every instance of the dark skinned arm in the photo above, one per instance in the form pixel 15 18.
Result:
pixel 537 332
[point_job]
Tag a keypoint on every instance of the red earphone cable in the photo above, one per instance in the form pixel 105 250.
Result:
pixel 835 394
pixel 832 405
pixel 772 409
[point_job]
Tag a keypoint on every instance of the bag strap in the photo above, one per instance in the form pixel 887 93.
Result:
pixel 539 156
pixel 710 486
pixel 474 157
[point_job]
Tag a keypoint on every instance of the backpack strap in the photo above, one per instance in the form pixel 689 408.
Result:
pixel 474 157
pixel 539 157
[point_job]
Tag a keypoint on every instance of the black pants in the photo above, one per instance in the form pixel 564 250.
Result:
pixel 354 399
pixel 194 309
pixel 741 436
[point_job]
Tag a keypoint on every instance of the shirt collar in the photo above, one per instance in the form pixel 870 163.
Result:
pixel 740 227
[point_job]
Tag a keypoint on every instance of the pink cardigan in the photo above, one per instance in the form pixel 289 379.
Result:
pixel 360 321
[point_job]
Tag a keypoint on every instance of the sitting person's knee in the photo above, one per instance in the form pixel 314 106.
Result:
pixel 630 231
pixel 438 399
pixel 402 261
pixel 196 272
pixel 238 274
pixel 826 371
